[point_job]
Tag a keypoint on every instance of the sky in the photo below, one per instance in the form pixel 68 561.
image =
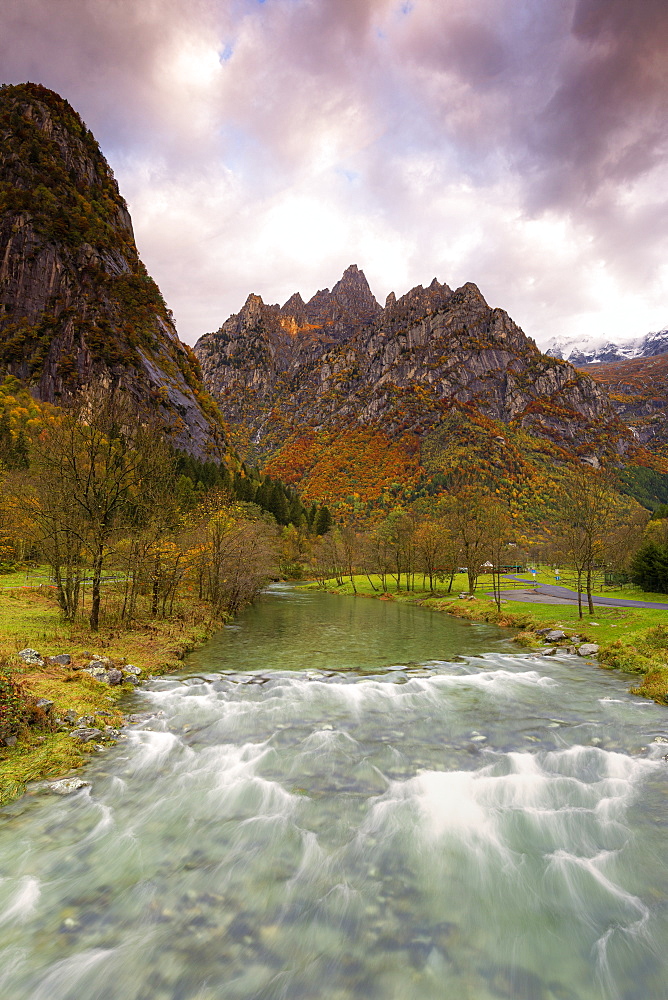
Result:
pixel 265 145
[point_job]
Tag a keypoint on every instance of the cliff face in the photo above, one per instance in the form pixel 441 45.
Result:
pixel 76 303
pixel 403 369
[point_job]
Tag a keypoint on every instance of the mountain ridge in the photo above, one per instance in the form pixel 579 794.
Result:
pixel 425 353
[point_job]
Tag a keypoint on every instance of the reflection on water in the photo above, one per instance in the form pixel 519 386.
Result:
pixel 419 813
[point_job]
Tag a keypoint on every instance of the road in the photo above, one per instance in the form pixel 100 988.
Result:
pixel 546 593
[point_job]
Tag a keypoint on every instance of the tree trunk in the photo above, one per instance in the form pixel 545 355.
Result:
pixel 94 620
pixel 590 599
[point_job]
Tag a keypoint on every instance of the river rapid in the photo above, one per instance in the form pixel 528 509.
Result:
pixel 341 799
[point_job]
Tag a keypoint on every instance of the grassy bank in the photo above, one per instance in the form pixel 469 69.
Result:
pixel 29 618
pixel 634 640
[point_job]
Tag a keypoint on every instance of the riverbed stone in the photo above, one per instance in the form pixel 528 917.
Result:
pixel 588 649
pixel 66 786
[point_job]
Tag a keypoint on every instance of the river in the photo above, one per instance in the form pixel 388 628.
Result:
pixel 341 799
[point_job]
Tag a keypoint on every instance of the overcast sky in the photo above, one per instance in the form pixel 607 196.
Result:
pixel 264 145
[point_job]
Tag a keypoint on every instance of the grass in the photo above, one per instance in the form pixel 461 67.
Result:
pixel 634 640
pixel 29 617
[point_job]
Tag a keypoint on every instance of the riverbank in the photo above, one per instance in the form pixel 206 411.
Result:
pixel 633 640
pixel 42 742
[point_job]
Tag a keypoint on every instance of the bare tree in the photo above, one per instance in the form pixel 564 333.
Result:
pixel 585 506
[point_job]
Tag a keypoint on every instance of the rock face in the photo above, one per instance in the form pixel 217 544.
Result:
pixel 403 367
pixel 76 303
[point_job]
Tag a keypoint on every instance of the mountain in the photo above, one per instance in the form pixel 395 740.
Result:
pixel 600 351
pixel 245 362
pixel 638 389
pixel 76 303
pixel 397 381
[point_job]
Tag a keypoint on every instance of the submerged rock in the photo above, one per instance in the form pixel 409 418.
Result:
pixel 66 786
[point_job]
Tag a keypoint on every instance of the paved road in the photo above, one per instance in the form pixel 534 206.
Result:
pixel 551 594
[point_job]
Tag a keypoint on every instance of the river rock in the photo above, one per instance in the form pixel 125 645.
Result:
pixel 554 635
pixel 86 735
pixel 588 649
pixel 66 786
pixel 549 652
pixel 31 657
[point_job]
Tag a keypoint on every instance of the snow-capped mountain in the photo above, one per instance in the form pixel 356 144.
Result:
pixel 598 350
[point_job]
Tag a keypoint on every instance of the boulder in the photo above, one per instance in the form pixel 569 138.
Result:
pixel 588 649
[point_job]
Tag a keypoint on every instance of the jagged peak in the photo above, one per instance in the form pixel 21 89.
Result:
pixel 294 303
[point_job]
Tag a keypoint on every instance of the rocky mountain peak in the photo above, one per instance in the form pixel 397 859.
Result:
pixel 76 303
pixel 353 293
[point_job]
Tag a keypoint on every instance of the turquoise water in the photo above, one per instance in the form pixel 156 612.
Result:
pixel 345 798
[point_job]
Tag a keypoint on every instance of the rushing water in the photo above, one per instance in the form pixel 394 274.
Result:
pixel 343 799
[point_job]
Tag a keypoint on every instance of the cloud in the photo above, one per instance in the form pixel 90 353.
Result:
pixel 264 146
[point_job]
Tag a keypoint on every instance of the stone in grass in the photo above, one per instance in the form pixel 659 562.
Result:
pixel 86 735
pixel 554 635
pixel 31 656
pixel 131 669
pixel 588 649
pixel 45 704
pixel 66 786
pixel 62 660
